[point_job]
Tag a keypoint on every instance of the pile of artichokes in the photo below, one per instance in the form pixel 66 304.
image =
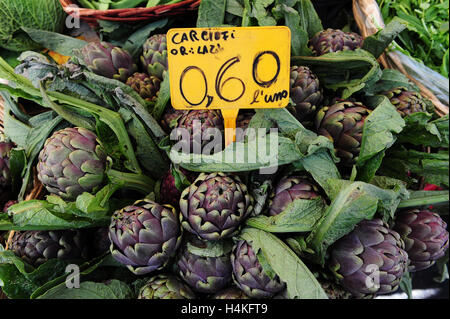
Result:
pixel 182 234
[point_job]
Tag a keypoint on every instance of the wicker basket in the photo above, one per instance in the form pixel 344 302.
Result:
pixel 131 14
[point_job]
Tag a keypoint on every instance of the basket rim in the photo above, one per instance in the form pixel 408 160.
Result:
pixel 159 9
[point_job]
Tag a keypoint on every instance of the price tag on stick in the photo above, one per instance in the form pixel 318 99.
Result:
pixel 229 69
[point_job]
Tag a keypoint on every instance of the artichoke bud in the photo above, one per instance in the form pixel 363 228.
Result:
pixel 370 260
pixel 343 124
pixel 5 175
pixel 250 272
pixel 154 57
pixel 425 235
pixel 146 86
pixel 408 102
pixel 205 266
pixel 72 162
pixel 215 205
pixel 144 236
pixel 107 60
pixel 165 287
pixel 331 40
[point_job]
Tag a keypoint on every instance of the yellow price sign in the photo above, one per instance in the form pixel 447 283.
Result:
pixel 229 69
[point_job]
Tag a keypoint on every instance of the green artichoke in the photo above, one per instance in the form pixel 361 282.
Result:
pixel 343 124
pixel 5 176
pixel 146 86
pixel 154 56
pixel 36 247
pixel 107 60
pixel 215 205
pixel 370 260
pixel 201 126
pixel 407 102
pixel 331 40
pixel 144 236
pixel 289 189
pixel 249 275
pixel 425 235
pixel 305 93
pixel 230 293
pixel 205 266
pixel 165 287
pixel 72 162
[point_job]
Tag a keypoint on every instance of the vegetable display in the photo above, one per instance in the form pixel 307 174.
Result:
pixel 342 194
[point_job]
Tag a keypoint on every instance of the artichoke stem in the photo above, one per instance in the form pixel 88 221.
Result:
pixel 133 181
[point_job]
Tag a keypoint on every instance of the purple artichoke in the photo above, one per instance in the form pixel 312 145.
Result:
pixel 165 287
pixel 72 162
pixel 290 189
pixel 205 266
pixel 425 235
pixel 343 124
pixel 170 119
pixel 145 236
pixel 370 260
pixel 36 247
pixel 154 56
pixel 215 205
pixel 249 275
pixel 109 61
pixel 331 40
pixel 407 102
pixel 306 94
pixel 201 126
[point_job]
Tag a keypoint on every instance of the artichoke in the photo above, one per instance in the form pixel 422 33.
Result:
pixel 146 86
pixel 165 287
pixel 205 266
pixel 331 40
pixel 343 124
pixel 201 126
pixel 72 162
pixel 107 60
pixel 289 189
pixel 144 236
pixel 5 177
pixel 36 247
pixel 406 102
pixel 169 192
pixel 305 93
pixel 154 56
pixel 215 205
pixel 370 260
pixel 425 235
pixel 170 119
pixel 249 275
pixel 230 293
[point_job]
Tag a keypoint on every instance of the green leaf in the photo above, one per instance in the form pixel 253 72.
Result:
pixel 211 13
pixel 378 42
pixel 353 203
pixel 57 42
pixel 299 216
pixel 300 282
pixel 406 284
pixel 114 289
pixel 378 135
pixel 136 40
pixel 347 71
